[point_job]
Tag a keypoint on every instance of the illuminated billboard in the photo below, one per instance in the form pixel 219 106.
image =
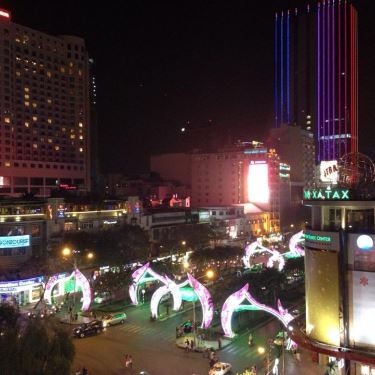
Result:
pixel 329 171
pixel 363 307
pixel 257 182
pixel 8 242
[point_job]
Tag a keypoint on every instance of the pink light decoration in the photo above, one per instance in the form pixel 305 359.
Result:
pixel 294 245
pixel 85 286
pixel 137 276
pixel 172 288
pixel 256 247
pixel 229 306
pixel 205 300
pixel 234 301
pixel 81 281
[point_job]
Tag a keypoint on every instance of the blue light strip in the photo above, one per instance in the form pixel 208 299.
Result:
pixel 288 67
pixel 276 76
pixel 282 69
pixel 319 89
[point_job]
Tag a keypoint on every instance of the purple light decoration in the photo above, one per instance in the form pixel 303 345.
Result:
pixel 136 276
pixel 172 288
pixel 85 286
pixel 294 243
pixel 205 300
pixel 255 247
pixel 235 299
pixel 229 306
pixel 81 281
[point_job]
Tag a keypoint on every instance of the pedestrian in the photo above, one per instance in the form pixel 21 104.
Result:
pixel 219 343
pixel 250 339
pixel 125 359
pixel 187 345
pixel 130 361
pixel 192 344
pixel 75 316
pixel 199 339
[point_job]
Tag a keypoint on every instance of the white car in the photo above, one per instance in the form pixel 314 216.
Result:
pixel 112 319
pixel 220 368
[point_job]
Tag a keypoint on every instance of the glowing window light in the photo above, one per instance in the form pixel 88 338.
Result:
pixel 257 183
pixel 4 13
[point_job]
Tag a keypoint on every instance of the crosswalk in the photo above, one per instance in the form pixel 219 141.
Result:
pixel 148 331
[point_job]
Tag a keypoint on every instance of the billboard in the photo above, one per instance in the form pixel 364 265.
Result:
pixel 8 242
pixel 257 182
pixel 329 171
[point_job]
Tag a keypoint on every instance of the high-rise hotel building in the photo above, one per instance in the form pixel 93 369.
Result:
pixel 316 74
pixel 44 111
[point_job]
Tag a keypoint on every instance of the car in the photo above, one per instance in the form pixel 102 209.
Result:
pixel 103 297
pixel 88 329
pixel 112 319
pixel 220 368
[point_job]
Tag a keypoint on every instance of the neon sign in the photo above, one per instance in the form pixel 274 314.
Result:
pixel 14 241
pixel 314 237
pixel 328 194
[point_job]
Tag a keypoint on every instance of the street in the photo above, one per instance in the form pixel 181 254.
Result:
pixel 153 348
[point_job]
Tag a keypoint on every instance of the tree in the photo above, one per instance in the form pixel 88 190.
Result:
pixel 33 346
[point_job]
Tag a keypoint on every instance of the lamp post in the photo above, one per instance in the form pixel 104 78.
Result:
pixel 267 352
pixel 209 274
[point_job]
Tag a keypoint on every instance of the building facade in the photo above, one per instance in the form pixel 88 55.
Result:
pixel 44 111
pixel 316 71
pixel 340 279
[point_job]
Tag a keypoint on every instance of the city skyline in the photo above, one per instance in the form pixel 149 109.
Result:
pixel 163 67
pixel 316 75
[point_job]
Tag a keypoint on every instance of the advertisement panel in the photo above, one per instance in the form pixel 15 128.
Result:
pixel 7 242
pixel 329 171
pixel 257 182
pixel 363 307
pixel 322 296
pixel 361 252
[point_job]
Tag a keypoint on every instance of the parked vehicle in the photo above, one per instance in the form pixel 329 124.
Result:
pixel 112 319
pixel 220 368
pixel 103 297
pixel 88 329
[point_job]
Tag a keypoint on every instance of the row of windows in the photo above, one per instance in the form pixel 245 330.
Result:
pixel 45 166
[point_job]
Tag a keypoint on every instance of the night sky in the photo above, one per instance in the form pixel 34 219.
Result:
pixel 164 65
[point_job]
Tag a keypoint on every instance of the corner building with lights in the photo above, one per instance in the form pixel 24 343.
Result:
pixel 316 71
pixel 340 280
pixel 44 111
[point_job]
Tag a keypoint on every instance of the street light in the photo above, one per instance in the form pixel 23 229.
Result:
pixel 67 253
pixel 262 350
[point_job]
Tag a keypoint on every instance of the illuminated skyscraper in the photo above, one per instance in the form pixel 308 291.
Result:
pixel 44 111
pixel 316 75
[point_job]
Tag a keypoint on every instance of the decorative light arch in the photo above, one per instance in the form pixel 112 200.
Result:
pixel 205 300
pixel 138 275
pixel 294 243
pixel 256 247
pixel 81 281
pixel 175 289
pixel 234 301
pixel 172 288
